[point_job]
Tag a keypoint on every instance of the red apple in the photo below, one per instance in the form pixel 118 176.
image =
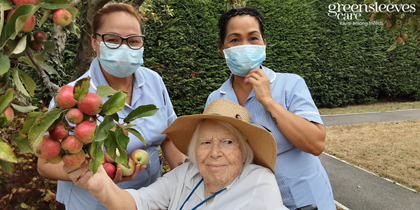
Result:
pixel 62 17
pixel 110 170
pixel 400 39
pixel 20 2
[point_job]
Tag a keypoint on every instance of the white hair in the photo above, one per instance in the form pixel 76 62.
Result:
pixel 247 151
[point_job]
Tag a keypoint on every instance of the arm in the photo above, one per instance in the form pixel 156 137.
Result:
pixel 306 136
pixel 55 171
pixel 101 186
pixel 172 154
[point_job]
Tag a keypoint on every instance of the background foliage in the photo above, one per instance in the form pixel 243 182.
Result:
pixel 342 65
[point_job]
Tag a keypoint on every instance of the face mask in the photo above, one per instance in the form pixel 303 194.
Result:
pixel 120 62
pixel 244 58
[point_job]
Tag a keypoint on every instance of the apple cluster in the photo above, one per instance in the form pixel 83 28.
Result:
pixel 138 156
pixel 61 17
pixel 58 145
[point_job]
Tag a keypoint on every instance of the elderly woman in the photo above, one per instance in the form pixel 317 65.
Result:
pixel 232 166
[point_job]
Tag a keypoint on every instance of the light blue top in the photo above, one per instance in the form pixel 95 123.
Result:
pixel 148 88
pixel 301 177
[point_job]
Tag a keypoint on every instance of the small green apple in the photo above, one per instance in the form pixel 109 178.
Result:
pixel 140 156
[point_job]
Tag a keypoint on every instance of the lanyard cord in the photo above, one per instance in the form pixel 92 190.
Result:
pixel 202 201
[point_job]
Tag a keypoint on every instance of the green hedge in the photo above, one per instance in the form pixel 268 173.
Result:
pixel 341 65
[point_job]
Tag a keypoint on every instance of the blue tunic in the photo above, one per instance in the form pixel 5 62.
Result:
pixel 301 177
pixel 148 88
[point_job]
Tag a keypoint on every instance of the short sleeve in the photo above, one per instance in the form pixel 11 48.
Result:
pixel 299 101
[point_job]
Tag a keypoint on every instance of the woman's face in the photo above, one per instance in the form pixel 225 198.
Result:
pixel 218 154
pixel 243 30
pixel 119 23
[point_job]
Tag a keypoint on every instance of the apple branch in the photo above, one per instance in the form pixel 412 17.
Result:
pixel 45 79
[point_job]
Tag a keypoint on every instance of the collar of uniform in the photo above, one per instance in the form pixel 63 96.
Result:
pixel 228 84
pixel 98 78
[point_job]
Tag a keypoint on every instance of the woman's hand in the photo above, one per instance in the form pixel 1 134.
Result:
pixel 120 178
pixel 261 84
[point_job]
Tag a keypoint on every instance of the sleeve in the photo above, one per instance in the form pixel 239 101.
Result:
pixel 266 193
pixel 300 102
pixel 157 195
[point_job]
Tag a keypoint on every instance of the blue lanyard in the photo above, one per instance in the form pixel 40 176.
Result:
pixel 202 201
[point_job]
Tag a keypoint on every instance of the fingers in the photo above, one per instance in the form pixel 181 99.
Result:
pixel 138 169
pixel 118 176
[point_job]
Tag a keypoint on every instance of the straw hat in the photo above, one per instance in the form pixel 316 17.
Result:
pixel 260 140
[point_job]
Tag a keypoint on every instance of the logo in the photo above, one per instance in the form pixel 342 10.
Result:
pixel 353 12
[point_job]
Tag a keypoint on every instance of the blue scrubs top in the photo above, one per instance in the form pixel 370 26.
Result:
pixel 148 88
pixel 301 177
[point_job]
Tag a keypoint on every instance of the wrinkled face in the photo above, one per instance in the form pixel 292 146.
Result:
pixel 218 154
pixel 243 30
pixel 119 23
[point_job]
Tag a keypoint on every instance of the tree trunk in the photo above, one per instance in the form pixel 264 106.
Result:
pixel 86 53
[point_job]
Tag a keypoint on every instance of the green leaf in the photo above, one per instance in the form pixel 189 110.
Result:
pixel 392 47
pixel 122 139
pixel 18 83
pixel 55 4
pixel 141 111
pixel 30 121
pixel 73 11
pixel 6 153
pixel 6 99
pixel 38 129
pixel 114 104
pixel 49 46
pixel 4 64
pixel 28 82
pixel 21 46
pixel 1 17
pixel 21 140
pixel 97 154
pixel 6 167
pixel 101 132
pixel 113 147
pixel 47 13
pixel 81 88
pixel 49 69
pixel 24 109
pixel 104 90
pixel 137 134
pixel 73 29
pixel 5 5
pixel 4 80
pixel 115 117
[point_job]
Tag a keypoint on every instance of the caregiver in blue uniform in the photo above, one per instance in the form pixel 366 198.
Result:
pixel 278 102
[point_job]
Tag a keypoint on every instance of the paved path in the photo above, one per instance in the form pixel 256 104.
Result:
pixel 358 189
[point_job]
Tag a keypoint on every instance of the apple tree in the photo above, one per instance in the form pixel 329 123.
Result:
pixel 23 48
pixel 398 17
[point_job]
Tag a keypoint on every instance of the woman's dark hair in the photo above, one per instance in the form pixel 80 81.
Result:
pixel 224 19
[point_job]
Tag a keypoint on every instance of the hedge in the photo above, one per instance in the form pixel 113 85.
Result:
pixel 342 65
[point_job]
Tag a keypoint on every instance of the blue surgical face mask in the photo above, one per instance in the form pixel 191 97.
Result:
pixel 120 62
pixel 244 58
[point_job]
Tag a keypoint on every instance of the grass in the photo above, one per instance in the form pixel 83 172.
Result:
pixel 378 107
pixel 389 149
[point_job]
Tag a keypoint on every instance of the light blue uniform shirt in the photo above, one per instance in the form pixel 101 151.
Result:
pixel 148 88
pixel 301 177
